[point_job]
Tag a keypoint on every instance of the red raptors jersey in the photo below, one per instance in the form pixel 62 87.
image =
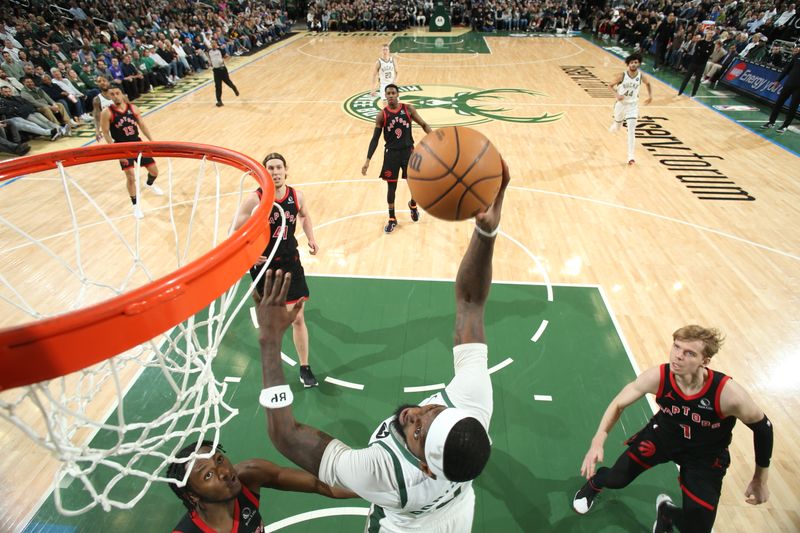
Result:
pixel 696 421
pixel 246 518
pixel 290 203
pixel 397 128
pixel 123 125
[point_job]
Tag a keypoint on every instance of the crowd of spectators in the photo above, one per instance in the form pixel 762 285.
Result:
pixel 52 55
pixel 372 15
pixel 758 31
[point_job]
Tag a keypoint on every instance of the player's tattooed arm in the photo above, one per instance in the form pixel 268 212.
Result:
pixel 302 444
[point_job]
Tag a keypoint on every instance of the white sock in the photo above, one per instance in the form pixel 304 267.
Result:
pixel 631 137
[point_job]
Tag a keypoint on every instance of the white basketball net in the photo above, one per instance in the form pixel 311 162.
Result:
pixel 100 446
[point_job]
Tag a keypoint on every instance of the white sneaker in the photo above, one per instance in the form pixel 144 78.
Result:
pixel 614 127
pixel 155 189
pixel 137 212
pixel 87 117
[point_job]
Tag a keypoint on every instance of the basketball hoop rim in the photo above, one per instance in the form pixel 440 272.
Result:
pixel 56 346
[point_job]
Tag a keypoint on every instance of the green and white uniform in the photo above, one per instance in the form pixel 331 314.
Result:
pixel 628 107
pixel 387 73
pixel 386 474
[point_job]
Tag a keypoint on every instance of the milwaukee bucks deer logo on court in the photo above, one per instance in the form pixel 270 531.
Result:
pixel 455 105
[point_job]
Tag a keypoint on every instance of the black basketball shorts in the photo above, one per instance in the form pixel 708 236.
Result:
pixel 298 288
pixel 701 470
pixel 128 163
pixel 393 162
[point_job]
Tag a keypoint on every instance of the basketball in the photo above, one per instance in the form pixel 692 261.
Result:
pixel 454 173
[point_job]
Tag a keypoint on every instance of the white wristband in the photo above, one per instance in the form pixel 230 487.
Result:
pixel 490 234
pixel 276 397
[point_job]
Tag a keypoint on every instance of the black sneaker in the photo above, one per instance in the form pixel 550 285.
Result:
pixel 414 212
pixel 781 130
pixel 663 523
pixel 220 104
pixel 389 227
pixel 767 125
pixel 307 377
pixel 584 498
pixel 236 92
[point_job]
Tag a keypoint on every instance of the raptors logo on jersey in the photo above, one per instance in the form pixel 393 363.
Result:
pixel 397 128
pixel 123 124
pixel 697 418
pixel 287 249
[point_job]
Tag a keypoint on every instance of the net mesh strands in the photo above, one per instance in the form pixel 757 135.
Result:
pixel 102 428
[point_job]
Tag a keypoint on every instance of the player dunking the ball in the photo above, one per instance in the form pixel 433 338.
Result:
pixel 120 123
pixel 384 73
pixel 395 122
pixel 418 468
pixel 287 256
pixel 626 90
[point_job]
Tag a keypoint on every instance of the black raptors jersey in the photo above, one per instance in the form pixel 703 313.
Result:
pixel 693 422
pixel 246 518
pixel 287 249
pixel 124 128
pixel 397 128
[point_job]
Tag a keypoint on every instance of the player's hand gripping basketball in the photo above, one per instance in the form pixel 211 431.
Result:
pixel 273 316
pixel 490 219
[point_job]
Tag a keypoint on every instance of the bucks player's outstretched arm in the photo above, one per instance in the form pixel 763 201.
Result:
pixel 475 272
pixel 302 444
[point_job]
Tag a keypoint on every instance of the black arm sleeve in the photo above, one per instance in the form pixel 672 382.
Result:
pixel 762 441
pixel 373 144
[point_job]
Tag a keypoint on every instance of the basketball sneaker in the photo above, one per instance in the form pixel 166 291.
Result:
pixel 781 130
pixel 614 127
pixel 307 377
pixel 155 189
pixel 389 227
pixel 663 523
pixel 631 161
pixel 414 212
pixel 584 498
pixel 767 125
pixel 137 212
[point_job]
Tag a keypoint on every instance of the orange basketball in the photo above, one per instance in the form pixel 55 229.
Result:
pixel 454 173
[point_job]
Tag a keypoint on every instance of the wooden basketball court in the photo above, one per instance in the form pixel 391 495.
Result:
pixel 702 229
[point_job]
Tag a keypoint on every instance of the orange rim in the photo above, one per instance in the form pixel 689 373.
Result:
pixel 60 345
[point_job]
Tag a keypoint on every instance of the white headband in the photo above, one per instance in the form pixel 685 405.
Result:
pixel 437 435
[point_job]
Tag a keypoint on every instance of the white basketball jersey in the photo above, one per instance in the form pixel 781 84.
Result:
pixel 629 88
pixel 422 497
pixel 387 71
pixel 104 102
